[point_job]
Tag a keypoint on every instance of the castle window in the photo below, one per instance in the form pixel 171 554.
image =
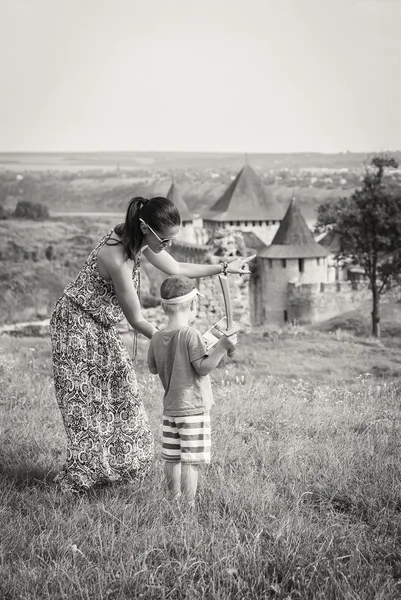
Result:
pixel 285 316
pixel 231 223
pixel 253 223
pixel 283 263
pixel 318 261
pixel 260 223
pixel 270 263
pixel 301 265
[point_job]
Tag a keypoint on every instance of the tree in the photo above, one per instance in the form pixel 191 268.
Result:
pixel 30 210
pixel 4 214
pixel 368 225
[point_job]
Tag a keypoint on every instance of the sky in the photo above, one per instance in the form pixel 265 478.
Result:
pixel 206 76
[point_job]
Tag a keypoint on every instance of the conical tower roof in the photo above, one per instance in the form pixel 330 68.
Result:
pixel 331 241
pixel 294 239
pixel 245 199
pixel 180 203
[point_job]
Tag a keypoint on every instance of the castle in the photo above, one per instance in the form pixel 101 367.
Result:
pixel 294 277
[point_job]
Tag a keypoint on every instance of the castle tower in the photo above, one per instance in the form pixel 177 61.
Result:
pixel 293 256
pixel 246 205
pixel 187 233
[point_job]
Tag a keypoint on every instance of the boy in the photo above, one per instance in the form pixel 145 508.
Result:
pixel 178 355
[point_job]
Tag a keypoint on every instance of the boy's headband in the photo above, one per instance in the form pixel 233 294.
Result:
pixel 180 299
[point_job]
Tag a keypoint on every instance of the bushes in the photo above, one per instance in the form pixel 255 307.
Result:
pixel 31 210
pixel 25 210
pixel 149 301
pixel 4 214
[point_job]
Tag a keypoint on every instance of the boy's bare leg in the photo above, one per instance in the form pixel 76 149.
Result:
pixel 189 482
pixel 172 471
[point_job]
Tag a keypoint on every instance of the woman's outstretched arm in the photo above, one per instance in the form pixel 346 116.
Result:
pixel 167 264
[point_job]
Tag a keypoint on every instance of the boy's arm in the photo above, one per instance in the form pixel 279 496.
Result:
pixel 206 364
pixel 151 361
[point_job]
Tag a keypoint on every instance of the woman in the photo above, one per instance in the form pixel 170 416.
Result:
pixel 108 435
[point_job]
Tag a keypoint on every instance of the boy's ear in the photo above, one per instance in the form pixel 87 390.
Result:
pixel 193 304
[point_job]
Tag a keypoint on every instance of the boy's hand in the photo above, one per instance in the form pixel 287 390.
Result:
pixel 228 342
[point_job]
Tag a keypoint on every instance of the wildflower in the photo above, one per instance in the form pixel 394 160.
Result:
pixel 76 550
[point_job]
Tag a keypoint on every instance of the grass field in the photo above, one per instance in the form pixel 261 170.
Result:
pixel 302 499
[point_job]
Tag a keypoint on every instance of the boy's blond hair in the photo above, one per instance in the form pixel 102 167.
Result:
pixel 173 309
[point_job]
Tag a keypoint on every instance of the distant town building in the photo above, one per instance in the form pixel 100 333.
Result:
pixel 339 270
pixel 335 268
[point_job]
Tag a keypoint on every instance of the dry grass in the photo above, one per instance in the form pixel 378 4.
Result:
pixel 359 321
pixel 337 357
pixel 302 500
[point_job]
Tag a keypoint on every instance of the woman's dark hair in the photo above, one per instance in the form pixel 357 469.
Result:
pixel 160 213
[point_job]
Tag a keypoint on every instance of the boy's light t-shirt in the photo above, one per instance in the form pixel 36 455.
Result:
pixel 170 355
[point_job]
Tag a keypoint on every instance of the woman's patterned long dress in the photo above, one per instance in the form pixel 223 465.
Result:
pixel 108 435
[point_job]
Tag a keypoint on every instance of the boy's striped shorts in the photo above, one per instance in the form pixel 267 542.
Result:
pixel 187 439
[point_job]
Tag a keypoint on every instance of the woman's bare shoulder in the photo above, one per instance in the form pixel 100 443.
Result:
pixel 112 257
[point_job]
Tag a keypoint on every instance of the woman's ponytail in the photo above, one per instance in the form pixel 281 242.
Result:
pixel 130 231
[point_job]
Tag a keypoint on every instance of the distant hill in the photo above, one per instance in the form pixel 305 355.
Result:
pixel 182 160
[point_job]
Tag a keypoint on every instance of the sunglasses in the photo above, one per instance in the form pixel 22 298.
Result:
pixel 166 240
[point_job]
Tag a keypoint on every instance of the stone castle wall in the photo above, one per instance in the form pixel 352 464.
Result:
pixel 311 303
pixel 265 231
pixel 184 251
pixel 193 232
pixel 211 307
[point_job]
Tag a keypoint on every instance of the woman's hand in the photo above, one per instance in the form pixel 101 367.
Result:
pixel 240 266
